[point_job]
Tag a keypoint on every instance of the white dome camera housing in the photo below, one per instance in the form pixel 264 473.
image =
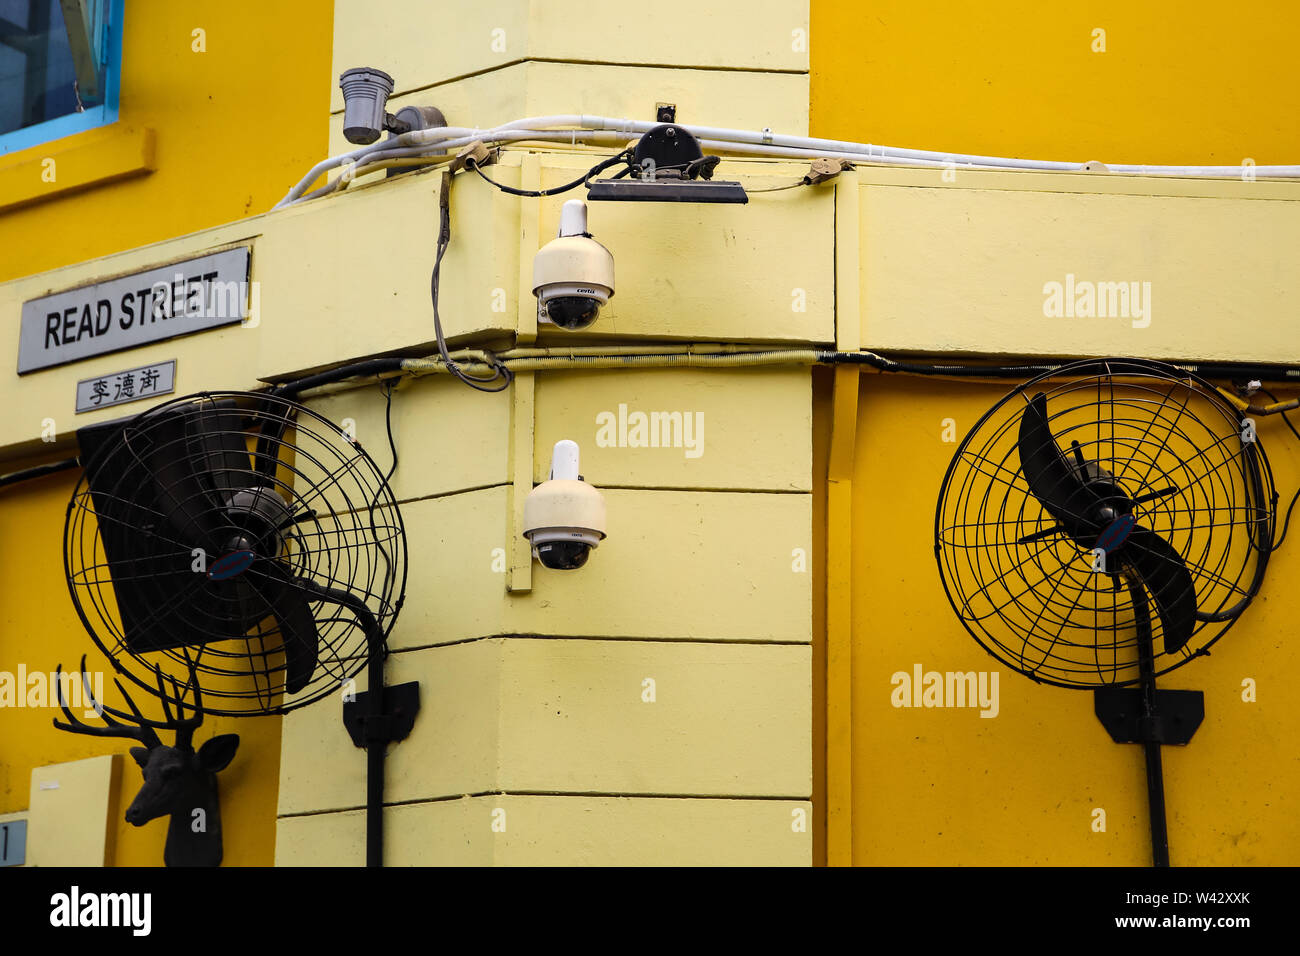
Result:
pixel 564 517
pixel 573 274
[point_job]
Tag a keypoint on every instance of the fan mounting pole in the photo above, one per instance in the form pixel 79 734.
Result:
pixel 1147 678
pixel 1105 473
pixel 1150 717
pixel 378 716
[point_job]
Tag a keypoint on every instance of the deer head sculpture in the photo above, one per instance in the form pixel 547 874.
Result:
pixel 179 781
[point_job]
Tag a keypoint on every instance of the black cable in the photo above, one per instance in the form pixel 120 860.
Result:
pixel 389 570
pixel 1287 523
pixel 500 372
pixel 1216 370
pixel 388 424
pixel 39 471
pixel 889 365
pixel 354 370
pixel 622 157
pixel 1296 497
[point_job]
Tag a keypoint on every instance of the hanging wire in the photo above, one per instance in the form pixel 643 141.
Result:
pixel 1296 497
pixel 500 374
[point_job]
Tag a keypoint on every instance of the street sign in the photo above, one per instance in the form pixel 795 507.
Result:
pixel 123 313
pixel 129 385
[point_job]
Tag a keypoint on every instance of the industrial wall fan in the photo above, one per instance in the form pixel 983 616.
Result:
pixel 1101 525
pixel 247 544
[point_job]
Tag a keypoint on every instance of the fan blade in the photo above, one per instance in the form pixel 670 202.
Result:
pixel 189 507
pixel 222 453
pixel 279 589
pixel 267 457
pixel 1165 575
pixel 1051 478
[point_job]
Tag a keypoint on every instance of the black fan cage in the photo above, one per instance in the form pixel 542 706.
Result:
pixel 1031 595
pixel 238 540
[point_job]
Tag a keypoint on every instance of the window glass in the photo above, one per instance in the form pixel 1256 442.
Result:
pixel 50 68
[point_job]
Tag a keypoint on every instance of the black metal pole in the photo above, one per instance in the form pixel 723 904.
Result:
pixel 377 732
pixel 376 744
pixel 1156 803
pixel 1151 748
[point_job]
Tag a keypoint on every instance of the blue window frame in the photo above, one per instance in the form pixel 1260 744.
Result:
pixel 57 76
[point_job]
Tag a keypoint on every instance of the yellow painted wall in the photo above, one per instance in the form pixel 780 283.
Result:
pixel 943 786
pixel 232 127
pixel 541 690
pixel 1179 82
pixel 722 759
pixel 224 133
pixel 39 628
pixel 928 788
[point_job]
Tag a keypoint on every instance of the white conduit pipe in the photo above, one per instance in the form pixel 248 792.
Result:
pixel 764 143
pixel 893 153
pixel 357 154
pixel 375 159
pixel 574 137
pixel 390 149
pixel 785 152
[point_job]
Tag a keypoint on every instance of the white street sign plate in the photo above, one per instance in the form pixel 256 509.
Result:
pixel 130 385
pixel 130 311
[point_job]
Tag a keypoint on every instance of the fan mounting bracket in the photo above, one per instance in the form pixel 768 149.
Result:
pixel 1173 719
pixel 401 704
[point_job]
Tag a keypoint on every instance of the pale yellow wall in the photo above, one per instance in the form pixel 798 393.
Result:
pixel 695 590
pixel 703 584
pixel 565 715
pixel 508 59
pixel 545 830
pixel 732 518
pixel 71 807
pixel 349 277
pixel 727 98
pixel 966 267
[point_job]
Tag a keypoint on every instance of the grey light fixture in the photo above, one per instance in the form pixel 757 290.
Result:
pixel 365 117
pixel 365 96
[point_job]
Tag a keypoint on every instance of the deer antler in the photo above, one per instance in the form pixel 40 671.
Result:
pixel 135 725
pixel 184 726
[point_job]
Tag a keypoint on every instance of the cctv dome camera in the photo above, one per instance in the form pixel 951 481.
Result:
pixel 573 274
pixel 564 517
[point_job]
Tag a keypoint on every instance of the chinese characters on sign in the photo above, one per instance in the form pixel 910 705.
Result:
pixel 128 386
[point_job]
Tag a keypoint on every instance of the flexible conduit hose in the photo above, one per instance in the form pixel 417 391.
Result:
pixel 710 355
pixel 662 360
